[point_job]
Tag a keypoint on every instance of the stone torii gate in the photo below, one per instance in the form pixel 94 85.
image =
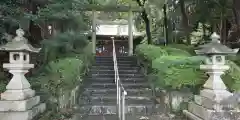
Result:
pixel 120 8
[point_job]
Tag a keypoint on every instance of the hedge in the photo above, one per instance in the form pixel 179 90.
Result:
pixel 176 68
pixel 149 52
pixel 64 72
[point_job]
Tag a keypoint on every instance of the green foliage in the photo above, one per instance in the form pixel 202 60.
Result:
pixel 3 82
pixel 65 60
pixel 60 76
pixel 10 17
pixel 63 73
pixel 175 51
pixel 64 13
pixel 172 68
pixel 149 52
pixel 10 10
pixel 173 71
pixel 178 69
pixel 198 36
pixel 231 77
pixel 58 46
pixel 187 48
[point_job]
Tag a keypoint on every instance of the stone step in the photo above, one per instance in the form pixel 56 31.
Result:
pixel 113 85
pixel 97 109
pixel 114 97
pixel 97 71
pixel 160 116
pixel 118 62
pixel 118 58
pixel 125 79
pixel 114 89
pixel 130 92
pixel 95 117
pixel 97 67
pixel 111 64
pixel 107 101
pixel 114 102
pixel 123 82
pixel 137 75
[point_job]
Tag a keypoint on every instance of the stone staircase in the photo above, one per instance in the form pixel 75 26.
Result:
pixel 99 97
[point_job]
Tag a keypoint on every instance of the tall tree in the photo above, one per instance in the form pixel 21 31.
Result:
pixel 145 18
pixel 235 34
pixel 185 21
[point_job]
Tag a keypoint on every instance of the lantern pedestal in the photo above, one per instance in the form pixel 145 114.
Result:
pixel 207 105
pixel 19 102
pixel 198 112
pixel 214 87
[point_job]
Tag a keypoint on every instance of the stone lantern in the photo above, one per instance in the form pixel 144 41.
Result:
pixel 215 66
pixel 19 102
pixel 208 103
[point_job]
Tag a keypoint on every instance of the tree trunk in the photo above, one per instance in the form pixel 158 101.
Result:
pixel 34 30
pixel 185 20
pixel 236 11
pixel 146 20
pixel 166 23
pixel 235 34
pixel 223 30
pixel 148 29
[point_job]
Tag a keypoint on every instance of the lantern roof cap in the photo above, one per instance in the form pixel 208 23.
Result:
pixel 19 43
pixel 215 47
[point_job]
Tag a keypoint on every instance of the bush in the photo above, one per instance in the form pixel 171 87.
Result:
pixel 232 77
pixel 183 47
pixel 61 76
pixel 63 72
pixel 171 66
pixel 62 45
pixel 149 52
pixel 176 68
pixel 174 71
pixel 175 51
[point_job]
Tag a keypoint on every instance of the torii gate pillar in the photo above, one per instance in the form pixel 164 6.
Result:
pixel 94 32
pixel 130 33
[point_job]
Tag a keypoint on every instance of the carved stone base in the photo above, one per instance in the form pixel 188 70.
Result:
pixel 207 103
pixel 17 94
pixel 21 105
pixel 198 112
pixel 216 95
pixel 26 115
pixel 21 109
